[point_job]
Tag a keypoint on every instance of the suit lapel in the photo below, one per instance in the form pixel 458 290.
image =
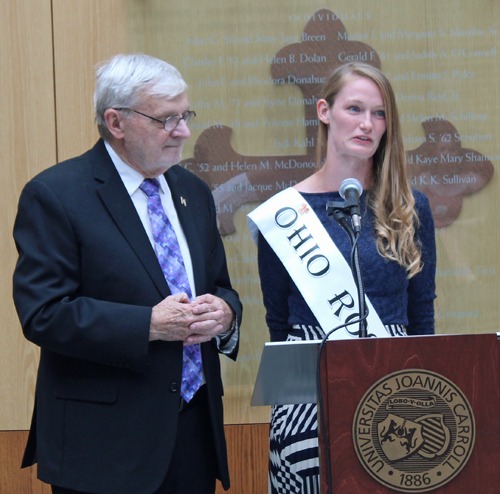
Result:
pixel 121 208
pixel 183 205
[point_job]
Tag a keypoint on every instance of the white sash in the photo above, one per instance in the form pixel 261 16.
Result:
pixel 314 263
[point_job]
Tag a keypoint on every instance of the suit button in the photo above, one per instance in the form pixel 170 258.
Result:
pixel 174 387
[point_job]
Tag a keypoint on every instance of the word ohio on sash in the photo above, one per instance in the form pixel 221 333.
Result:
pixel 301 239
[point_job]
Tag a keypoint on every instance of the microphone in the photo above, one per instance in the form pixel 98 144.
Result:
pixel 350 190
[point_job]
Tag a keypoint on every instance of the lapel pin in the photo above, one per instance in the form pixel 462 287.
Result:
pixel 183 201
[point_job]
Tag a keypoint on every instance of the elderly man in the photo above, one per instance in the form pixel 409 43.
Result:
pixel 122 282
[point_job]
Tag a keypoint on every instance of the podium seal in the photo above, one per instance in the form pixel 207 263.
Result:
pixel 413 430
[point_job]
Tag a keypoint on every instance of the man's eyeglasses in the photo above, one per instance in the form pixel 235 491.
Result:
pixel 170 123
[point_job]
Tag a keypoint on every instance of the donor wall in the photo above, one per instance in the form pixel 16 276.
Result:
pixel 255 74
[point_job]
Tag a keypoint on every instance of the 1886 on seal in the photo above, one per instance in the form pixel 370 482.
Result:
pixel 413 430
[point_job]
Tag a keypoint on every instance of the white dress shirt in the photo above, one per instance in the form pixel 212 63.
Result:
pixel 132 179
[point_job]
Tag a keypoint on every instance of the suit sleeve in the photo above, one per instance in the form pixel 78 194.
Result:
pixel 227 345
pixel 47 293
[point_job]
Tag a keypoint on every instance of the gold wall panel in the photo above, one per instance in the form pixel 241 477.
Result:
pixel 48 53
pixel 27 146
pixel 86 32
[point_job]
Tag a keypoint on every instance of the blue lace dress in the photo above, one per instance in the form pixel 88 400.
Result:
pixel 404 306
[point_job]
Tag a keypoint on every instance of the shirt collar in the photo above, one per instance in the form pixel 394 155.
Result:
pixel 131 178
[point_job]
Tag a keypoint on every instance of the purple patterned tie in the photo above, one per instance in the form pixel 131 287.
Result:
pixel 171 262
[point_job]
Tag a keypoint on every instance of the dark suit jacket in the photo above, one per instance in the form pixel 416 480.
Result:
pixel 86 280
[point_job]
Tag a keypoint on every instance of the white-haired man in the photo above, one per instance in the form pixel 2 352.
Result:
pixel 122 281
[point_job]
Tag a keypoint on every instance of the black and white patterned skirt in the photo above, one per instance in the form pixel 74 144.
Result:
pixel 293 441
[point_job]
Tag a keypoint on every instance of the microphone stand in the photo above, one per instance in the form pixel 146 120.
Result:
pixel 338 210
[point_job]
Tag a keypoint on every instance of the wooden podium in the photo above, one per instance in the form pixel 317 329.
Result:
pixel 413 414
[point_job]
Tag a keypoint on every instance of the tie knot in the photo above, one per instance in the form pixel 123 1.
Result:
pixel 150 187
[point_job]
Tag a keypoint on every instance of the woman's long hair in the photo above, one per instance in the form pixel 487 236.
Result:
pixel 390 197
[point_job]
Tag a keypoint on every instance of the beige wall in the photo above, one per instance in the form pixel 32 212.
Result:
pixel 28 143
pixel 48 53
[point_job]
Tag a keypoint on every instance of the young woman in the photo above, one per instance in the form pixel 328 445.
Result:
pixel 359 137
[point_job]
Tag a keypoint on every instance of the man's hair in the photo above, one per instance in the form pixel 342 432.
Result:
pixel 123 80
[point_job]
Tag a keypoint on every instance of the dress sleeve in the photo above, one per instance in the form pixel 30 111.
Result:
pixel 422 287
pixel 275 283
